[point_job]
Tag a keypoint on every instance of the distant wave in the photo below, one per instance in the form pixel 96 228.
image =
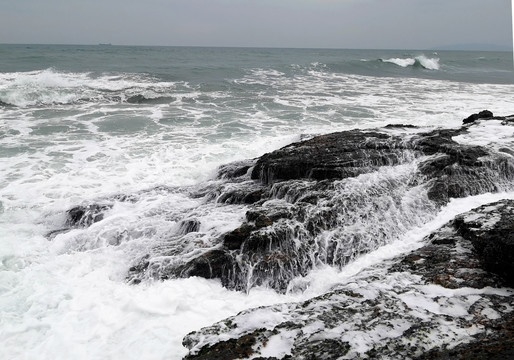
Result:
pixel 421 61
pixel 51 87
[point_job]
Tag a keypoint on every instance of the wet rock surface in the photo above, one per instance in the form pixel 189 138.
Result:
pixel 322 200
pixel 326 201
pixel 491 231
pixel 81 216
pixel 437 302
pixel 446 260
pixel 484 114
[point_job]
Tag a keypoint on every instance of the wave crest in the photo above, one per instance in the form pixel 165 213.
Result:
pixel 52 87
pixel 421 61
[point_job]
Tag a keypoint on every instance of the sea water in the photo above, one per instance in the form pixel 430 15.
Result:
pixel 82 123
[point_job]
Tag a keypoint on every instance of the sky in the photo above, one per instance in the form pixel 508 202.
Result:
pixel 372 24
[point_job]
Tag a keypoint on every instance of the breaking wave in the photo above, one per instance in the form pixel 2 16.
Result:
pixel 52 87
pixel 419 61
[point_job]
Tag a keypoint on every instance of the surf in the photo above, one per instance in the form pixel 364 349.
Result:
pixel 420 61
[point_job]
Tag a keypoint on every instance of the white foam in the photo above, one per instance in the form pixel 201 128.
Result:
pixel 279 345
pixel 422 60
pixel 47 87
pixel 489 133
pixel 322 279
pixel 428 63
pixel 79 308
pixel 68 299
pixel 401 62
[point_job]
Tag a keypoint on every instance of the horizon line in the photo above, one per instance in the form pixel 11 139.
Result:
pixel 463 47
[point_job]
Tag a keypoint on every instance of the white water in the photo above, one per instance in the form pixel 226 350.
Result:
pixel 65 299
pixel 422 60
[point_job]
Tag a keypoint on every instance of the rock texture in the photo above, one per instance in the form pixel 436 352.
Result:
pixel 491 231
pixel 322 200
pixel 485 114
pixel 326 201
pixel 436 302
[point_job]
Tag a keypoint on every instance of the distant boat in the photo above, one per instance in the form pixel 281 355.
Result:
pixel 109 44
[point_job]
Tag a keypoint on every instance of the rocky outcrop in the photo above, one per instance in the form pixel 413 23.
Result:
pixel 325 201
pixel 81 216
pixel 485 114
pixel 491 231
pixel 4 104
pixel 436 302
pixel 322 201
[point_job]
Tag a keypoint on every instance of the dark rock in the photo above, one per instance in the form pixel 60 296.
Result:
pixel 487 232
pixel 306 210
pixel 136 99
pixel 189 226
pixel 400 126
pixel 253 197
pixel 4 104
pixel 457 171
pixel 234 239
pixel 484 114
pixel 83 216
pixel 271 249
pixel 229 350
pixel 490 229
pixel 420 306
pixel 446 261
pixel 497 344
pixel 141 99
pixel 260 218
pixel 212 264
pixel 332 156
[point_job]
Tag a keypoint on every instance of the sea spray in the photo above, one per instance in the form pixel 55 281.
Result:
pixel 73 138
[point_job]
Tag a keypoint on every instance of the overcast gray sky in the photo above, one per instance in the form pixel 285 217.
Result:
pixel 398 24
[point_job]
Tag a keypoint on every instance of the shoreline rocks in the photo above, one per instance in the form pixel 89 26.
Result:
pixel 326 201
pixel 320 201
pixel 317 201
pixel 436 302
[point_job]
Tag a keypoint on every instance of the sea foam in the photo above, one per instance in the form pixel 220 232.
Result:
pixel 72 138
pixel 421 61
pixel 53 87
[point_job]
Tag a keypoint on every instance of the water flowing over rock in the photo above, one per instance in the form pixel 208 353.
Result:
pixel 329 199
pixel 322 201
pixel 436 302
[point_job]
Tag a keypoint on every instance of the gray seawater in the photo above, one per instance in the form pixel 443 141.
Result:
pixel 83 123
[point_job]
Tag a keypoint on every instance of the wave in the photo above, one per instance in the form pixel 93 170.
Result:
pixel 52 87
pixel 420 61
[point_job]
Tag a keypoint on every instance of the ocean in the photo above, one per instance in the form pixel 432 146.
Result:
pixel 82 124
